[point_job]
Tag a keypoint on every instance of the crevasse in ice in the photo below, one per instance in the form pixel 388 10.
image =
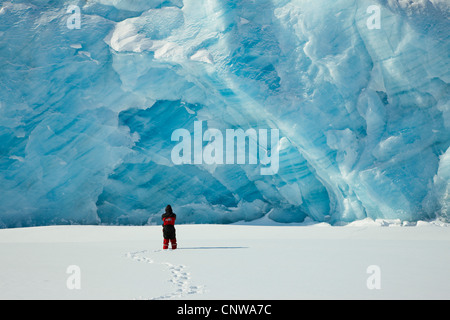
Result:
pixel 91 92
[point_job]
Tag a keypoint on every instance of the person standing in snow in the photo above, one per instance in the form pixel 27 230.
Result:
pixel 168 219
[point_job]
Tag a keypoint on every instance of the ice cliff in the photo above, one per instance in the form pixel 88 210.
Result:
pixel 91 92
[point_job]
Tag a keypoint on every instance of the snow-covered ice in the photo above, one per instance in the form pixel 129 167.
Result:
pixel 310 261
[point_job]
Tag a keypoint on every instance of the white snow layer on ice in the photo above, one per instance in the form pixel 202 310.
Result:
pixel 86 115
pixel 317 261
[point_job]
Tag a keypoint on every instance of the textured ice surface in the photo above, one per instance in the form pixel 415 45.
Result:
pixel 86 115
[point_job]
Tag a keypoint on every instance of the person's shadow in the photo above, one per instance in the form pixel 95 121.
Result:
pixel 204 248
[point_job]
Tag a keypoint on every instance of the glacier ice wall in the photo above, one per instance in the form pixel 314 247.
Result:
pixel 87 111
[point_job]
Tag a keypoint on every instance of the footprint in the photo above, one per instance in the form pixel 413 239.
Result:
pixel 138 257
pixel 179 277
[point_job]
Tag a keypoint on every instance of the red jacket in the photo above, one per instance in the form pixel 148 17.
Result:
pixel 169 219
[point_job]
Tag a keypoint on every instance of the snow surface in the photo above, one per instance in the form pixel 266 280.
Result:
pixel 310 261
pixel 86 115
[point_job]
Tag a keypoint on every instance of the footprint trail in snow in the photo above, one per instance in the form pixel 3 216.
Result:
pixel 179 276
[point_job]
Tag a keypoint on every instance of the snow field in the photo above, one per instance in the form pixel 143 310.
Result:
pixel 315 261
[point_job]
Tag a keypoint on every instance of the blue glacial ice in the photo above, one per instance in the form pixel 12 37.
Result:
pixel 359 91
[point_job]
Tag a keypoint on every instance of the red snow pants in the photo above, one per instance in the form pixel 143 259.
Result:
pixel 173 243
